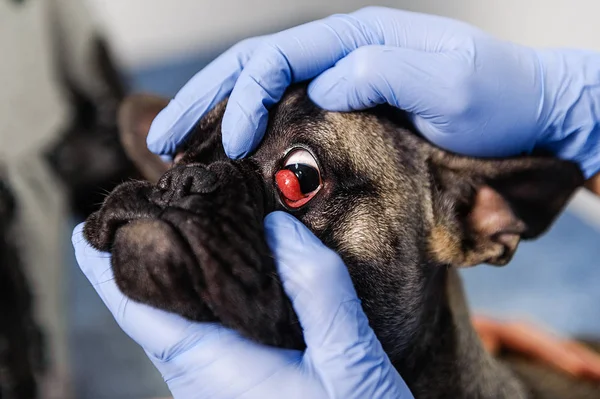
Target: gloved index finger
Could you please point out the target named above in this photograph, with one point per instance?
(206, 89)
(336, 330)
(293, 55)
(195, 359)
(305, 51)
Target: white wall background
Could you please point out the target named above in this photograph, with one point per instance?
(145, 31)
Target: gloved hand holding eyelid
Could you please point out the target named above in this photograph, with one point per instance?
(344, 359)
(466, 91)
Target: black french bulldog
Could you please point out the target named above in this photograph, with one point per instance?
(402, 214)
(89, 156)
(22, 351)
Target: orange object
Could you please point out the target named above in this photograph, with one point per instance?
(563, 354)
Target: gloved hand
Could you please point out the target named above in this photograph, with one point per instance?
(343, 359)
(467, 91)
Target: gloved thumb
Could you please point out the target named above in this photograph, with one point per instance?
(421, 83)
(336, 330)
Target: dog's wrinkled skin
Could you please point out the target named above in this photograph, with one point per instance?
(21, 341)
(399, 211)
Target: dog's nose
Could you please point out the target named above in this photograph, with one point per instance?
(185, 180)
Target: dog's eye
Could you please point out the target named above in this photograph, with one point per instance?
(299, 180)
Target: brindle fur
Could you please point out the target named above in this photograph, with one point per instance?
(400, 212)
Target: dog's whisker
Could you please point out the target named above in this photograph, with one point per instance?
(104, 281)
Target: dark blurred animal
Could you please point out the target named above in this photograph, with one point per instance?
(22, 356)
(89, 156)
(402, 214)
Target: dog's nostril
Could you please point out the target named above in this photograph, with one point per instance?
(188, 179)
(165, 181)
(188, 184)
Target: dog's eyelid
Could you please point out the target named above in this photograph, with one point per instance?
(301, 156)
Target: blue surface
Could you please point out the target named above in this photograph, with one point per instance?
(166, 79)
(106, 363)
(555, 281)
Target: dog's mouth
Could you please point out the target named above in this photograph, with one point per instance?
(194, 244)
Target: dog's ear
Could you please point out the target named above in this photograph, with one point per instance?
(483, 208)
(135, 117)
(93, 104)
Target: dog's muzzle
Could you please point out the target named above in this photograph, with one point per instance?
(194, 244)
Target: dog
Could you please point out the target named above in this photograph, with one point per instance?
(89, 155)
(22, 349)
(402, 213)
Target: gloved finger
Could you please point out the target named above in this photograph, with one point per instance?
(205, 90)
(406, 79)
(435, 88)
(185, 351)
(314, 277)
(373, 75)
(161, 334)
(286, 57)
(336, 329)
(303, 52)
(233, 364)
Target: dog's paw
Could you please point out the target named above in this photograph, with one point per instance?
(194, 244)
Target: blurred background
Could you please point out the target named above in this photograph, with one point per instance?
(157, 45)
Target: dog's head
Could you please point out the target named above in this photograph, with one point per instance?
(88, 156)
(398, 210)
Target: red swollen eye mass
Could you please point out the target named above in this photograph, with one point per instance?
(289, 185)
(299, 179)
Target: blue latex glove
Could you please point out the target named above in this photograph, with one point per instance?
(344, 359)
(467, 91)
